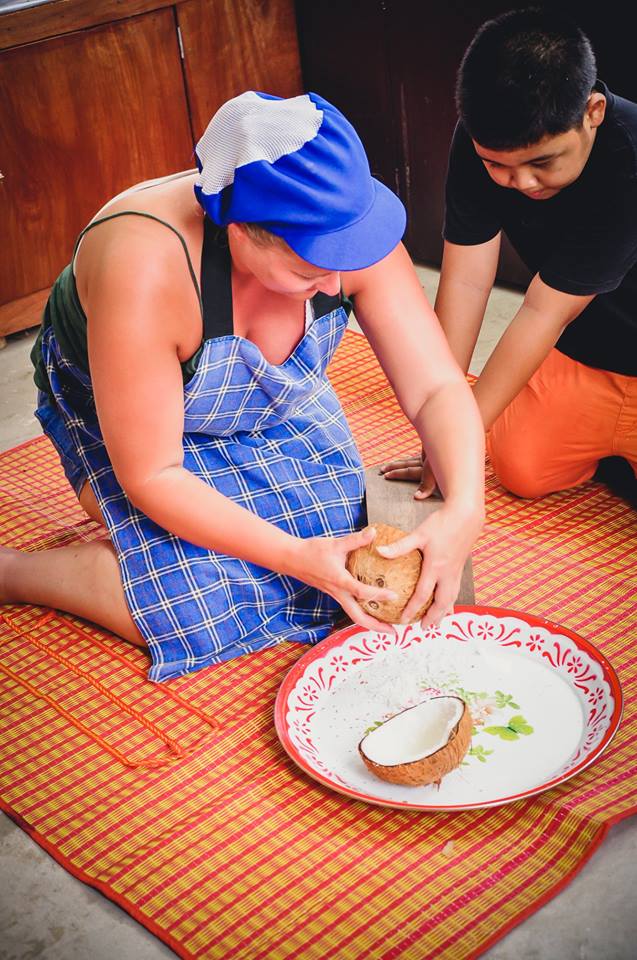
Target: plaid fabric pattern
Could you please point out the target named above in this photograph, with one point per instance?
(273, 439)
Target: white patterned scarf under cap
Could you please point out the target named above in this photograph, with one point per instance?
(251, 127)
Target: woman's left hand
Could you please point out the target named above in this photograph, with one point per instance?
(445, 539)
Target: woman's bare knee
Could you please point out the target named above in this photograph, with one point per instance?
(117, 617)
(89, 504)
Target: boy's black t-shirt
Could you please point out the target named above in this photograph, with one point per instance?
(582, 241)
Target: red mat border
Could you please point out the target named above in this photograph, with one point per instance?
(174, 945)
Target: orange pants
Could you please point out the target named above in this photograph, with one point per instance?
(554, 433)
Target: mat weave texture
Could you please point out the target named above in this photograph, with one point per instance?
(177, 801)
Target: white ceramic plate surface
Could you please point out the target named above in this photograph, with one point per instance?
(545, 704)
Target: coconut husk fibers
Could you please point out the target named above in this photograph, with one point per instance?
(429, 769)
(400, 575)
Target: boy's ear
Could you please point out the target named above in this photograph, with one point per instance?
(595, 109)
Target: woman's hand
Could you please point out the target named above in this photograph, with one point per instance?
(445, 539)
(414, 469)
(320, 562)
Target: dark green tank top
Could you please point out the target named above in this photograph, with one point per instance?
(63, 311)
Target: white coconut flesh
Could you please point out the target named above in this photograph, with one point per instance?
(414, 733)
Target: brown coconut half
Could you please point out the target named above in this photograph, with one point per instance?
(400, 575)
(419, 745)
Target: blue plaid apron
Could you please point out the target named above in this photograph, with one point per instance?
(273, 439)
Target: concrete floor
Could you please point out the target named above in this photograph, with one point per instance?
(45, 912)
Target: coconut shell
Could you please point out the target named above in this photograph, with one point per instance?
(429, 769)
(400, 575)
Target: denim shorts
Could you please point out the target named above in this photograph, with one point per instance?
(55, 429)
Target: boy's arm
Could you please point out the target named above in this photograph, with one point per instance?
(532, 333)
(466, 279)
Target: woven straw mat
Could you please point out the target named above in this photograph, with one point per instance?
(178, 803)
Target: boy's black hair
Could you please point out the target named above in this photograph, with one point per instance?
(525, 75)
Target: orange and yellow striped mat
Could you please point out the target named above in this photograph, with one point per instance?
(177, 801)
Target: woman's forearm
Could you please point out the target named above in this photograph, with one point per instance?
(450, 427)
(184, 505)
(189, 508)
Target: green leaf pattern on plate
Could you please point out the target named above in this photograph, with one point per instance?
(482, 705)
(479, 753)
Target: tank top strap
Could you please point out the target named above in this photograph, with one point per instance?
(149, 216)
(216, 285)
(216, 282)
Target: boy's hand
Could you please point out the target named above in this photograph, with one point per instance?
(415, 469)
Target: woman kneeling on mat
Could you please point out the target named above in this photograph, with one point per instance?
(181, 368)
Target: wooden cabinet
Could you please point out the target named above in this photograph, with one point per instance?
(98, 96)
(390, 65)
(81, 124)
(236, 45)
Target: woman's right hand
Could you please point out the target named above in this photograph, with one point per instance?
(320, 562)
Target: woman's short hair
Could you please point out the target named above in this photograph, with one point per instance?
(261, 236)
(525, 75)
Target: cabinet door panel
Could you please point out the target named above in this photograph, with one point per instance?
(235, 45)
(83, 116)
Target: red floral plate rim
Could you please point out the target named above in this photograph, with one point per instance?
(337, 638)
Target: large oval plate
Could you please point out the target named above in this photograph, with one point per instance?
(545, 704)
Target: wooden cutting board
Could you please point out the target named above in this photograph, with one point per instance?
(392, 502)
